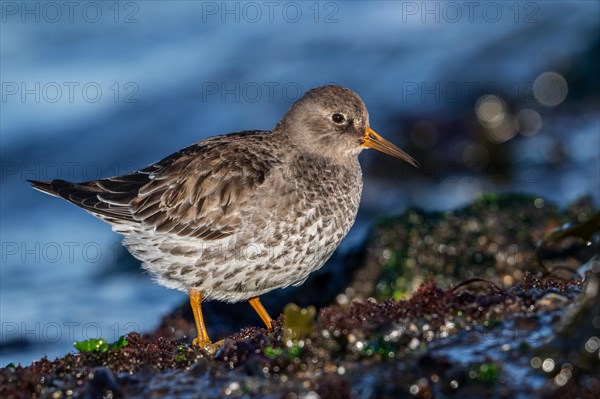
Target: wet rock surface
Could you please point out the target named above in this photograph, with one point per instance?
(478, 302)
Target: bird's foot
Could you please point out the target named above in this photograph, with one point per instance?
(206, 346)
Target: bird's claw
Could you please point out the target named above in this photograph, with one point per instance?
(207, 346)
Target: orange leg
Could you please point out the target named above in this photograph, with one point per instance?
(196, 302)
(258, 307)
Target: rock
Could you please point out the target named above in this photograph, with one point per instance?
(101, 385)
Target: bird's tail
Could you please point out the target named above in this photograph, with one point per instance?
(84, 194)
(73, 192)
(45, 186)
(93, 196)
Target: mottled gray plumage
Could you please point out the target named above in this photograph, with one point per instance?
(238, 215)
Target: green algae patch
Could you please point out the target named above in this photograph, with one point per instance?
(487, 373)
(99, 345)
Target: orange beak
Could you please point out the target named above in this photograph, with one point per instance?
(372, 140)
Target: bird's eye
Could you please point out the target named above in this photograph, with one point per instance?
(338, 118)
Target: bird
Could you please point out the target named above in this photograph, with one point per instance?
(234, 216)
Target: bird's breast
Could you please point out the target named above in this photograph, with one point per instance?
(305, 209)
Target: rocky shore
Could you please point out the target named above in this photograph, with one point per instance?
(497, 299)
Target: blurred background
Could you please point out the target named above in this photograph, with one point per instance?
(488, 96)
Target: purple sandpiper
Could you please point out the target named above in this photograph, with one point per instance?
(232, 217)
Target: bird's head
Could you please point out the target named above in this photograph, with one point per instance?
(334, 121)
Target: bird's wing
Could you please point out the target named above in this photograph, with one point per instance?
(196, 192)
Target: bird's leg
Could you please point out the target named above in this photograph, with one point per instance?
(196, 302)
(258, 307)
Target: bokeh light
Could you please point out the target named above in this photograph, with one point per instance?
(529, 122)
(492, 114)
(550, 89)
(490, 110)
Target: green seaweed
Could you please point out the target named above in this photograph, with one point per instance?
(99, 345)
(486, 373)
(294, 351)
(272, 353)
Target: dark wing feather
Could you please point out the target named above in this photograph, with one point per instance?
(196, 192)
(87, 196)
(200, 193)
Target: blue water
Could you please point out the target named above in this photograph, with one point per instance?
(110, 87)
